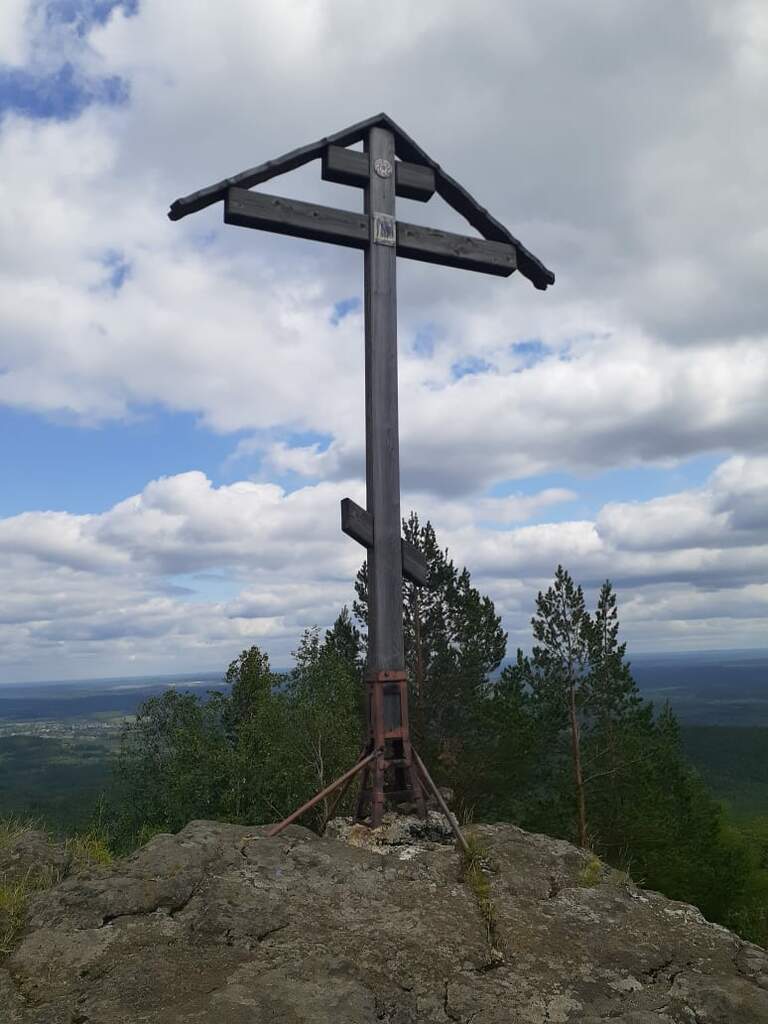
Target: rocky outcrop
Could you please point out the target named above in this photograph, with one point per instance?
(221, 924)
(33, 857)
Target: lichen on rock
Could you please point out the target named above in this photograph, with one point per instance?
(221, 923)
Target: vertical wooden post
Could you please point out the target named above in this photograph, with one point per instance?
(385, 580)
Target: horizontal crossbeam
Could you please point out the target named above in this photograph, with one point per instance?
(432, 246)
(292, 217)
(357, 523)
(341, 227)
(349, 167)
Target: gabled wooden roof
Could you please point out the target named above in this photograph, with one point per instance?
(406, 149)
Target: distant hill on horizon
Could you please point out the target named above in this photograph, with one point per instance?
(704, 687)
(719, 687)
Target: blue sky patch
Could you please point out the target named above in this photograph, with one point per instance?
(424, 340)
(118, 268)
(641, 483)
(529, 352)
(55, 464)
(344, 307)
(203, 586)
(61, 94)
(83, 14)
(306, 438)
(469, 366)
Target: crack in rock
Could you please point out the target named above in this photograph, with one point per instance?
(260, 936)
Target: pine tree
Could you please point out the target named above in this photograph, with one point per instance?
(558, 671)
(453, 640)
(324, 714)
(619, 731)
(345, 640)
(612, 690)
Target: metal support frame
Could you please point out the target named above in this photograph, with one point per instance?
(389, 732)
(346, 777)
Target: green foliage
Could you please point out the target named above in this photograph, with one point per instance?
(15, 892)
(54, 780)
(270, 742)
(173, 765)
(453, 641)
(88, 849)
(251, 754)
(84, 849)
(647, 811)
(733, 761)
(749, 915)
(13, 827)
(14, 897)
(345, 640)
(592, 872)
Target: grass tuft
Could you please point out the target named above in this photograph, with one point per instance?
(476, 868)
(13, 828)
(14, 897)
(85, 850)
(88, 849)
(592, 872)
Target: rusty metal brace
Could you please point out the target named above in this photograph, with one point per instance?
(323, 793)
(443, 805)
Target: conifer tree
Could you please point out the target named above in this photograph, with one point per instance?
(453, 640)
(345, 640)
(558, 671)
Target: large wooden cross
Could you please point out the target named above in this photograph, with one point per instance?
(391, 165)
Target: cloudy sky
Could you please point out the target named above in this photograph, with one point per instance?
(181, 404)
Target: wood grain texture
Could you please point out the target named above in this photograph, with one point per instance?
(414, 181)
(414, 564)
(382, 451)
(433, 246)
(344, 166)
(356, 522)
(291, 217)
(348, 167)
(341, 227)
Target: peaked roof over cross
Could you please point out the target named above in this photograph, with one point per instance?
(406, 149)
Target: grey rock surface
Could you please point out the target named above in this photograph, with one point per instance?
(33, 856)
(221, 924)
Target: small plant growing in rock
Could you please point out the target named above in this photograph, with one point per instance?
(14, 896)
(17, 885)
(477, 865)
(591, 872)
(15, 890)
(87, 849)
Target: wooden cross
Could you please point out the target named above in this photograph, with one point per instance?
(391, 165)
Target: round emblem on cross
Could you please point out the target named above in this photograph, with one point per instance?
(382, 167)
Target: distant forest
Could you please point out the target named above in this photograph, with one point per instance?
(559, 740)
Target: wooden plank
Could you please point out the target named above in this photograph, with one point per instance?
(344, 166)
(356, 522)
(414, 181)
(382, 455)
(291, 217)
(408, 151)
(414, 563)
(271, 168)
(433, 246)
(342, 227)
(348, 167)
